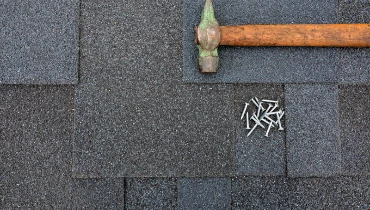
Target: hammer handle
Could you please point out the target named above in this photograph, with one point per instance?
(305, 35)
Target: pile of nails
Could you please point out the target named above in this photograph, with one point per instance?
(268, 115)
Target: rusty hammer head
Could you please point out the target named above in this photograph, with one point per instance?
(207, 38)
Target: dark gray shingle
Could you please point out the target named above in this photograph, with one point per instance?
(313, 144)
(36, 129)
(151, 193)
(204, 193)
(105, 193)
(134, 117)
(39, 42)
(354, 112)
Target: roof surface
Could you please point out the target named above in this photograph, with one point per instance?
(127, 122)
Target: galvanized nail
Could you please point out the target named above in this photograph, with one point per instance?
(245, 109)
(255, 103)
(273, 113)
(270, 101)
(255, 119)
(250, 132)
(267, 117)
(276, 106)
(268, 108)
(248, 122)
(279, 121)
(259, 108)
(265, 121)
(268, 129)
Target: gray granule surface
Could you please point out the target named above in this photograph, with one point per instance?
(204, 193)
(259, 192)
(257, 154)
(151, 193)
(39, 42)
(354, 110)
(134, 117)
(315, 193)
(312, 130)
(106, 193)
(300, 193)
(354, 62)
(36, 129)
(263, 64)
(355, 192)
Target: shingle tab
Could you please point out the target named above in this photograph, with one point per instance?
(355, 192)
(313, 145)
(106, 193)
(260, 192)
(354, 110)
(315, 193)
(151, 193)
(39, 42)
(263, 64)
(257, 154)
(36, 128)
(354, 63)
(204, 193)
(249, 192)
(134, 117)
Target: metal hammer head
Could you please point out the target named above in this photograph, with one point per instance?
(207, 38)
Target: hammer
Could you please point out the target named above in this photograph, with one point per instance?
(209, 35)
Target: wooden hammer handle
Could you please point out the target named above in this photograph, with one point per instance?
(306, 35)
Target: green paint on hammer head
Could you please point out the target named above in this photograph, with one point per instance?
(208, 38)
(208, 13)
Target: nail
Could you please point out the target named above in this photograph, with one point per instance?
(270, 101)
(279, 121)
(281, 113)
(259, 108)
(276, 106)
(270, 120)
(245, 109)
(262, 116)
(248, 122)
(253, 101)
(254, 118)
(268, 129)
(273, 113)
(259, 104)
(268, 108)
(265, 121)
(267, 117)
(250, 132)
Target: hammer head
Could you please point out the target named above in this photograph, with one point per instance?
(207, 38)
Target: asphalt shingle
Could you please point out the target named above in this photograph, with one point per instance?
(134, 117)
(300, 193)
(259, 192)
(106, 193)
(355, 192)
(354, 112)
(354, 63)
(151, 193)
(263, 64)
(313, 144)
(257, 154)
(36, 129)
(315, 193)
(39, 42)
(204, 193)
